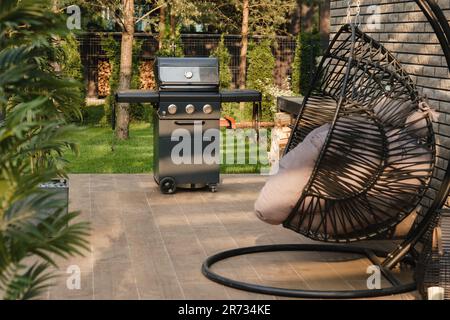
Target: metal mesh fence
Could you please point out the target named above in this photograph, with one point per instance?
(200, 45)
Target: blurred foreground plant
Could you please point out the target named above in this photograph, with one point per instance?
(36, 100)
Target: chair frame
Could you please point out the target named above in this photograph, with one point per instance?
(405, 252)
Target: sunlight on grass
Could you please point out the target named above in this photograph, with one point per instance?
(97, 156)
(99, 152)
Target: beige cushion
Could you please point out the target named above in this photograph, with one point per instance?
(417, 124)
(282, 190)
(392, 112)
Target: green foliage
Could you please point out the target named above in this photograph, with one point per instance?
(135, 81)
(34, 225)
(93, 114)
(226, 77)
(141, 112)
(69, 60)
(112, 49)
(224, 57)
(138, 111)
(172, 46)
(296, 65)
(261, 64)
(306, 52)
(134, 155)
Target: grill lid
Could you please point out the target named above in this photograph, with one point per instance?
(187, 73)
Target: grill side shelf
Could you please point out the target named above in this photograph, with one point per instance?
(137, 96)
(238, 95)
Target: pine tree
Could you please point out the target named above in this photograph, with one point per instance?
(224, 57)
(260, 74)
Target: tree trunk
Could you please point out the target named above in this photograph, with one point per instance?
(244, 47)
(90, 74)
(307, 17)
(55, 6)
(325, 23)
(90, 70)
(126, 62)
(294, 26)
(162, 25)
(173, 24)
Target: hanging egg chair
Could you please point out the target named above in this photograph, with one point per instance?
(376, 166)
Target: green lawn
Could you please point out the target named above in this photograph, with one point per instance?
(96, 154)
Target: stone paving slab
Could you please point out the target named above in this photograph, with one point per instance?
(145, 245)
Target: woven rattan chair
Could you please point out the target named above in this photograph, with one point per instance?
(375, 167)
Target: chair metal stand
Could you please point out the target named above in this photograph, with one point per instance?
(406, 252)
(371, 254)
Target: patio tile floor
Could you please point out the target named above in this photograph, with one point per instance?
(145, 245)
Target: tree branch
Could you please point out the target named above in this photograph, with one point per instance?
(149, 13)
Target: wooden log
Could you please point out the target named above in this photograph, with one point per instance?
(280, 139)
(249, 124)
(282, 119)
(104, 74)
(146, 76)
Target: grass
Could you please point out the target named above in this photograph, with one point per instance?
(96, 154)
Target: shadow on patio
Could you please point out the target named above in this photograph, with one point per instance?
(145, 245)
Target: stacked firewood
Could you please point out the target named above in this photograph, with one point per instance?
(280, 137)
(146, 77)
(282, 119)
(104, 73)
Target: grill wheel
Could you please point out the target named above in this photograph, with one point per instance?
(167, 185)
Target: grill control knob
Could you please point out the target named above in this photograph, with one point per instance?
(207, 108)
(190, 109)
(172, 109)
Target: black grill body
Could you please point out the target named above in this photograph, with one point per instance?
(188, 104)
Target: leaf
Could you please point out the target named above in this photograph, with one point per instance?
(34, 223)
(30, 284)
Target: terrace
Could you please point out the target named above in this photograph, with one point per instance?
(155, 95)
(146, 245)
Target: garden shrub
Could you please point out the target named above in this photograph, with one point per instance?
(306, 52)
(260, 75)
(37, 232)
(224, 57)
(112, 50)
(226, 77)
(93, 114)
(138, 112)
(69, 60)
(172, 46)
(141, 112)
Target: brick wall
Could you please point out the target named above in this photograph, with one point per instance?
(405, 31)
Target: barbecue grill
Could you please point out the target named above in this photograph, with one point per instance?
(187, 121)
